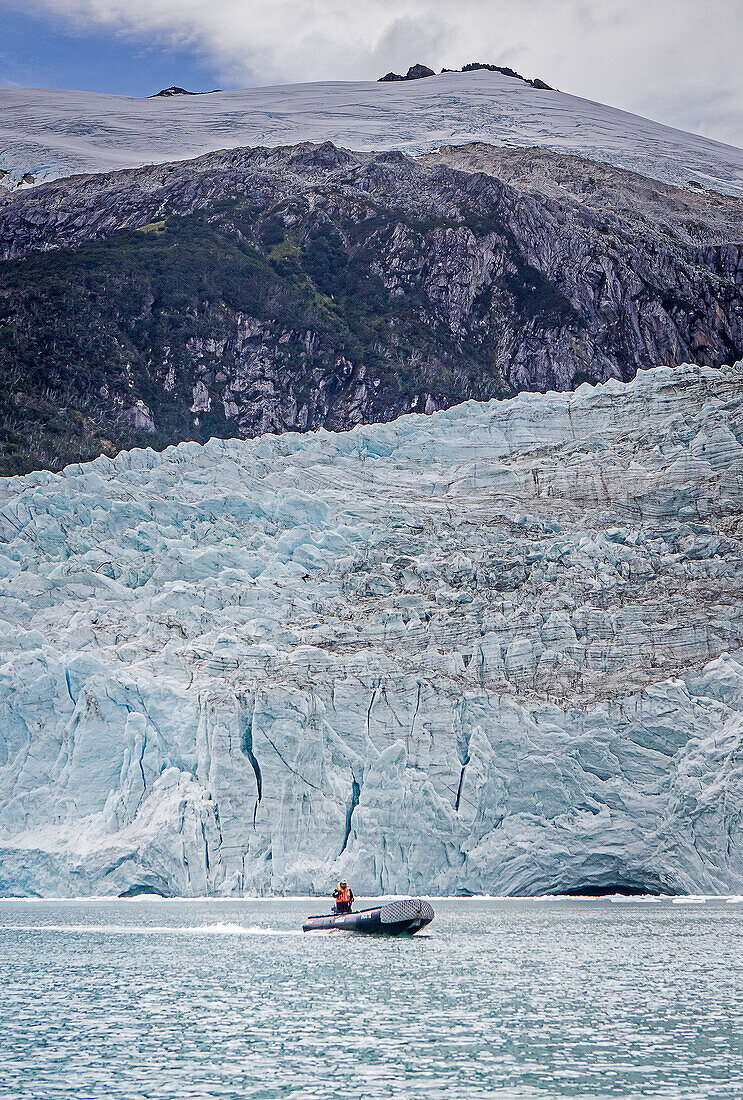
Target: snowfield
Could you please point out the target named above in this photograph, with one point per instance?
(47, 134)
(497, 649)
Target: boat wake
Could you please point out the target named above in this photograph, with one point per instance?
(219, 929)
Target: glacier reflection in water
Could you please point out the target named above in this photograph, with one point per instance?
(514, 998)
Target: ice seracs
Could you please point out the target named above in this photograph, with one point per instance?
(497, 649)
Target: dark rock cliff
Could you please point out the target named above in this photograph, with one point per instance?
(289, 289)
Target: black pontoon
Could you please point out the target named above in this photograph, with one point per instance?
(396, 918)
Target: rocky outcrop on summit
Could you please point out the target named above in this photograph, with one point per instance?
(271, 290)
(167, 93)
(505, 70)
(415, 72)
(173, 90)
(498, 649)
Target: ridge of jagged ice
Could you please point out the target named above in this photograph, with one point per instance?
(48, 133)
(494, 650)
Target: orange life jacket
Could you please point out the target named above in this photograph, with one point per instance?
(343, 895)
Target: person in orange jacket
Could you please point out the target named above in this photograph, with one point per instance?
(343, 897)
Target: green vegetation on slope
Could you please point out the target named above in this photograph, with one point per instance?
(101, 347)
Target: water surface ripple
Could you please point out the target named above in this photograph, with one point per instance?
(201, 999)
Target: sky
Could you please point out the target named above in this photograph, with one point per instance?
(677, 61)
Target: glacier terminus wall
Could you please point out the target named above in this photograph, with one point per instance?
(494, 650)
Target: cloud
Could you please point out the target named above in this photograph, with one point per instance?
(673, 60)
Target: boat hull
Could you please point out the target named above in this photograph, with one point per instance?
(396, 918)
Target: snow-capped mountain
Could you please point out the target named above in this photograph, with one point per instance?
(47, 134)
(494, 649)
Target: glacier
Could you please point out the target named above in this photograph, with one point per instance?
(47, 134)
(498, 649)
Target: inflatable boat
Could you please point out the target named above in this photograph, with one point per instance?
(396, 918)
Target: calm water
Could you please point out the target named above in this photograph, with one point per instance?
(151, 998)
